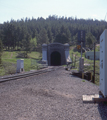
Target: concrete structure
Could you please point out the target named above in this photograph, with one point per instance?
(103, 63)
(90, 55)
(44, 53)
(56, 54)
(81, 64)
(20, 66)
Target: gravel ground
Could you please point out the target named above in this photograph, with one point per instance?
(51, 96)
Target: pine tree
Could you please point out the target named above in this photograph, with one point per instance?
(50, 36)
(26, 45)
(90, 39)
(43, 38)
(64, 35)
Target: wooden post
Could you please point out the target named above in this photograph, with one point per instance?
(75, 60)
(72, 59)
(91, 75)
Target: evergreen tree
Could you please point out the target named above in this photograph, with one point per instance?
(61, 38)
(33, 44)
(50, 35)
(58, 29)
(90, 39)
(43, 38)
(26, 45)
(64, 35)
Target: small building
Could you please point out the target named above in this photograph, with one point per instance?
(90, 55)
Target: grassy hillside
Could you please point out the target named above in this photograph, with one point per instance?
(9, 60)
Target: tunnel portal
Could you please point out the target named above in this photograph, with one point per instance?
(55, 58)
(56, 54)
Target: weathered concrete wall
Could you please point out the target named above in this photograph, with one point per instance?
(44, 53)
(61, 51)
(59, 48)
(67, 55)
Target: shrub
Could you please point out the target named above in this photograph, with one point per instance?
(10, 68)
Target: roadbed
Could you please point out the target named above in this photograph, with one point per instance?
(56, 95)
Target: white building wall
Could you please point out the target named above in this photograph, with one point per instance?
(103, 63)
(90, 55)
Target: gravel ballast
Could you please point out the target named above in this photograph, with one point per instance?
(55, 95)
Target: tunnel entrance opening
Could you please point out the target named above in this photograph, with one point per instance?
(55, 59)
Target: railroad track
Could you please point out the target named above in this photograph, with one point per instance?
(27, 74)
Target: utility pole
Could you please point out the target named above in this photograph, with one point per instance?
(81, 50)
(81, 58)
(94, 64)
(75, 60)
(81, 40)
(72, 59)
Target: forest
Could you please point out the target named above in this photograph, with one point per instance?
(29, 34)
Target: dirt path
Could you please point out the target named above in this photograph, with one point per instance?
(11, 55)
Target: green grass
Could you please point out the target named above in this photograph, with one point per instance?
(89, 68)
(34, 55)
(9, 61)
(83, 80)
(2, 71)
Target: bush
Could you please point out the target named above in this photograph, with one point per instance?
(10, 68)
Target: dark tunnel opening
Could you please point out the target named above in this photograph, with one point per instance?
(55, 59)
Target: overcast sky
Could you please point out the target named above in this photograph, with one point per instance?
(86, 9)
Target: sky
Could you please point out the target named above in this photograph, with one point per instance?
(81, 9)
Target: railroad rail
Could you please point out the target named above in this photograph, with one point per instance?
(27, 74)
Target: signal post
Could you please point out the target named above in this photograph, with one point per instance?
(81, 42)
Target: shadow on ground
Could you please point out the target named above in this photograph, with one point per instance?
(102, 107)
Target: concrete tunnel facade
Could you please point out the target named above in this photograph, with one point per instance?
(56, 54)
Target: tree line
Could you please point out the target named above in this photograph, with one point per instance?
(29, 34)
